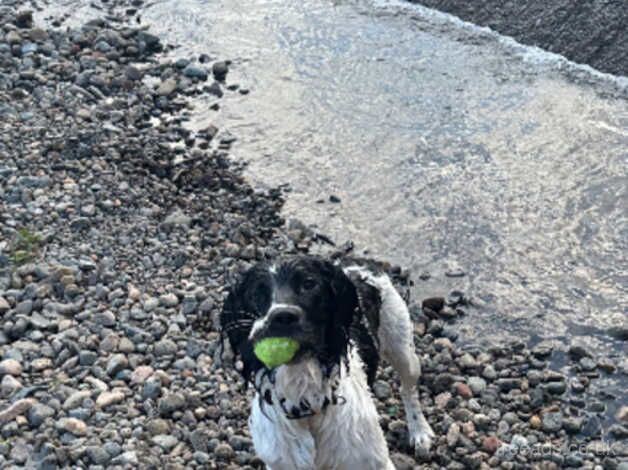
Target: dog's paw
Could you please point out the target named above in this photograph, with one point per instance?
(421, 440)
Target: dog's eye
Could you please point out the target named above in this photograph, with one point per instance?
(308, 284)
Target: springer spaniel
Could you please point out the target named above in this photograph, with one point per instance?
(316, 412)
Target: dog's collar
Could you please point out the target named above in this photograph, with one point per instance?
(304, 409)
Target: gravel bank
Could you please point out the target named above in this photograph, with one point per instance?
(592, 33)
(119, 229)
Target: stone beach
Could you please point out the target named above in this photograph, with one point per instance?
(120, 229)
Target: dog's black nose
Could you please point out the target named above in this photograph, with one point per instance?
(284, 318)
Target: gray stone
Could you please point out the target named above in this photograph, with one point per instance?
(193, 71)
(10, 367)
(382, 390)
(476, 384)
(552, 422)
(38, 414)
(97, 455)
(165, 347)
(169, 300)
(166, 441)
(116, 363)
(170, 403)
(24, 308)
(151, 388)
(4, 305)
(106, 318)
(167, 87)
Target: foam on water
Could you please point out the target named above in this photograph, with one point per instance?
(533, 55)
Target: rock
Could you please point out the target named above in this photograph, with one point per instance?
(134, 293)
(106, 399)
(128, 458)
(106, 318)
(552, 422)
(116, 363)
(9, 385)
(489, 372)
(467, 361)
(442, 400)
(622, 414)
(587, 364)
(453, 434)
(10, 367)
(141, 373)
(73, 426)
(169, 300)
(382, 390)
(4, 305)
(167, 87)
(220, 70)
(193, 71)
(97, 455)
(477, 385)
(165, 347)
(490, 444)
(170, 403)
(577, 352)
(618, 431)
(572, 425)
(16, 409)
(223, 451)
(76, 399)
(556, 388)
(38, 414)
(133, 73)
(165, 441)
(152, 388)
(505, 385)
(464, 390)
(24, 308)
(24, 19)
(434, 304)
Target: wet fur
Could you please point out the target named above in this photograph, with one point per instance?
(317, 411)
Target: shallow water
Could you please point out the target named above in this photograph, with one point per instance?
(448, 145)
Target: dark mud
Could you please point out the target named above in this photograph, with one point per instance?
(592, 33)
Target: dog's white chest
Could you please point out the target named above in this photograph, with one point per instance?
(340, 436)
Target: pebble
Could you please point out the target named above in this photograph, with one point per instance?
(382, 390)
(552, 422)
(167, 87)
(194, 71)
(141, 373)
(220, 70)
(106, 398)
(4, 305)
(10, 367)
(169, 300)
(38, 414)
(73, 426)
(490, 444)
(165, 441)
(477, 385)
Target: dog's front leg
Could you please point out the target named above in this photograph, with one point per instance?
(282, 443)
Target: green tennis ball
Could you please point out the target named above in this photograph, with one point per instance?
(276, 351)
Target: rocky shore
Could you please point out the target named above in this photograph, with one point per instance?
(119, 229)
(592, 33)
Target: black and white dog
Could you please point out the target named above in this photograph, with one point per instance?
(316, 412)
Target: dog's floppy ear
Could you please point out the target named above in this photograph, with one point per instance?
(235, 326)
(345, 310)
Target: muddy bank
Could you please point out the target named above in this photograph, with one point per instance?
(592, 33)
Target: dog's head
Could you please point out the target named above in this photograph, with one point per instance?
(303, 297)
